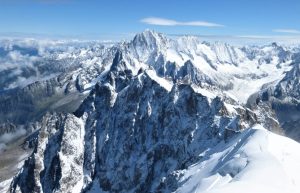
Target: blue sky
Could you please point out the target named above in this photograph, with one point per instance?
(121, 18)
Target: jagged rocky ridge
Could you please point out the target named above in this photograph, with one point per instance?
(283, 99)
(128, 138)
(150, 116)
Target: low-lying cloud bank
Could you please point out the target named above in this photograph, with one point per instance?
(23, 61)
(7, 138)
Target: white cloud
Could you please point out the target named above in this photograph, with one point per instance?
(169, 22)
(291, 31)
(256, 36)
(8, 137)
(2, 147)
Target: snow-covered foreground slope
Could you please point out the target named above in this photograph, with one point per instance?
(255, 161)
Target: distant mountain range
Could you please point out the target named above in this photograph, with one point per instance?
(154, 114)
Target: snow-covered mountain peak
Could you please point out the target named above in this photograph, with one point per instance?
(149, 39)
(158, 114)
(188, 42)
(221, 64)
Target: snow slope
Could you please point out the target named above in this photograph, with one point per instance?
(255, 161)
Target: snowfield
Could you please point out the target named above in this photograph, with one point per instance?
(256, 161)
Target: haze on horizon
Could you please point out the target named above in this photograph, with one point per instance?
(233, 20)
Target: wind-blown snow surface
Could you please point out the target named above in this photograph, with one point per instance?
(255, 161)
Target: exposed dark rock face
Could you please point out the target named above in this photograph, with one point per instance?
(56, 158)
(128, 139)
(281, 102)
